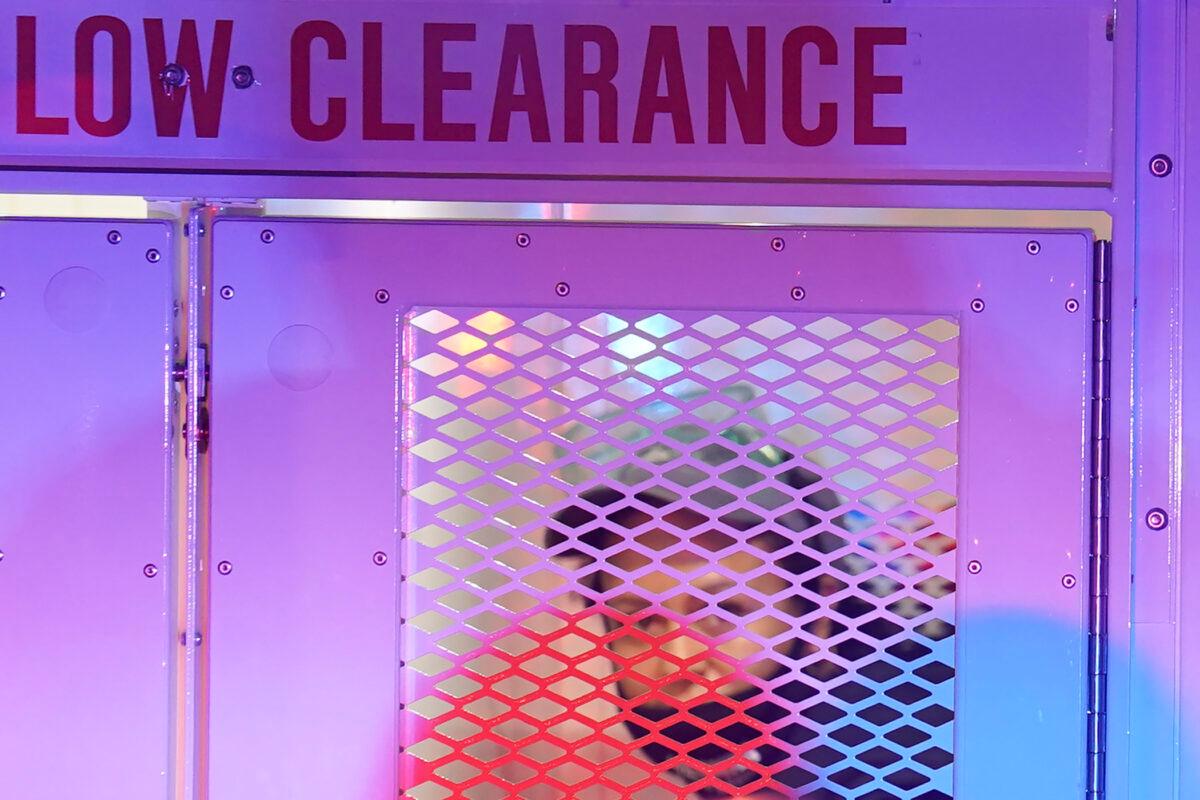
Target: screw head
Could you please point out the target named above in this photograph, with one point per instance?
(1033, 247)
(242, 76)
(267, 236)
(379, 558)
(777, 244)
(224, 567)
(523, 240)
(562, 288)
(798, 293)
(1069, 581)
(226, 292)
(1072, 305)
(153, 256)
(114, 237)
(173, 75)
(974, 567)
(149, 570)
(1161, 166)
(382, 296)
(977, 305)
(1156, 519)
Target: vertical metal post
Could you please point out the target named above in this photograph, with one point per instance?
(1097, 701)
(196, 622)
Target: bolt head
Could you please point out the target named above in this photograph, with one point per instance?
(226, 292)
(1033, 247)
(1156, 519)
(562, 288)
(798, 293)
(1161, 166)
(977, 305)
(173, 75)
(150, 570)
(242, 76)
(382, 296)
(224, 567)
(114, 237)
(1069, 581)
(523, 240)
(379, 558)
(153, 256)
(267, 236)
(1072, 305)
(974, 567)
(777, 244)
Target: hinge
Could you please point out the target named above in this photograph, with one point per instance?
(180, 372)
(1101, 393)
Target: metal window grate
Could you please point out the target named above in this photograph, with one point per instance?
(682, 554)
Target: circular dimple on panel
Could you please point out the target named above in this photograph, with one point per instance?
(76, 299)
(300, 357)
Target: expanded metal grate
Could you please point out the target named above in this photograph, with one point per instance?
(678, 555)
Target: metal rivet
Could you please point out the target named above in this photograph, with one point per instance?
(974, 567)
(224, 567)
(3, 293)
(1161, 166)
(1156, 519)
(1033, 247)
(267, 236)
(523, 240)
(226, 292)
(1069, 581)
(382, 296)
(243, 76)
(1072, 305)
(380, 558)
(562, 288)
(114, 237)
(153, 256)
(149, 570)
(797, 292)
(977, 305)
(1, 555)
(777, 244)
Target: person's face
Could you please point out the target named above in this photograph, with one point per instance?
(673, 643)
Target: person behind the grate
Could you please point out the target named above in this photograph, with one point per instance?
(721, 712)
(721, 726)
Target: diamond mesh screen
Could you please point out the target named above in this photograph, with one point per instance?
(679, 555)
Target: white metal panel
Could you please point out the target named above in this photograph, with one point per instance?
(306, 380)
(85, 501)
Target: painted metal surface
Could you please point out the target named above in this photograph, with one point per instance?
(86, 639)
(307, 368)
(769, 92)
